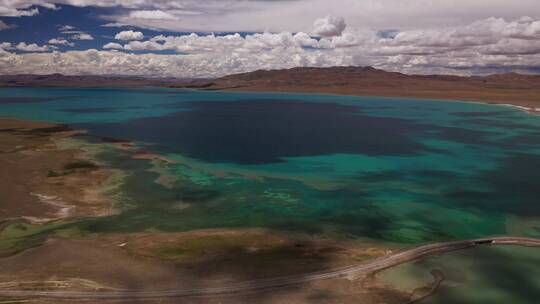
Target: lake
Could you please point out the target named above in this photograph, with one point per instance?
(392, 170)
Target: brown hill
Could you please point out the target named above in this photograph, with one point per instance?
(59, 80)
(509, 88)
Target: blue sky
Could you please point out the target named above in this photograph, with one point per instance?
(196, 38)
(46, 25)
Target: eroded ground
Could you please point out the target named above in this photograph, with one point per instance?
(41, 181)
(193, 260)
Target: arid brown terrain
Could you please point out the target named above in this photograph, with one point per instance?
(41, 181)
(511, 88)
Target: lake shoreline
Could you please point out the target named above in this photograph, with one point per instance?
(44, 167)
(523, 106)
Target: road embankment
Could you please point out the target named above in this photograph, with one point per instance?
(366, 268)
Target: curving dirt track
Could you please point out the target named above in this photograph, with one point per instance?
(386, 261)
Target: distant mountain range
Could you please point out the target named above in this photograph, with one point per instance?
(517, 89)
(59, 80)
(509, 88)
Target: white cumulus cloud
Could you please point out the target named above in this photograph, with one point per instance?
(113, 45)
(60, 41)
(5, 45)
(82, 36)
(329, 26)
(7, 11)
(129, 35)
(32, 47)
(64, 28)
(152, 15)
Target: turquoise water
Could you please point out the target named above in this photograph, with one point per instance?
(496, 275)
(394, 170)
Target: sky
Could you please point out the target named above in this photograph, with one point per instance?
(211, 38)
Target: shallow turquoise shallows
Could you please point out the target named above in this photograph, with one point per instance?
(388, 169)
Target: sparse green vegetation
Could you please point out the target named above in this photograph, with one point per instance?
(200, 246)
(53, 173)
(251, 249)
(19, 236)
(82, 164)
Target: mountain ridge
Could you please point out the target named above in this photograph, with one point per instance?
(511, 88)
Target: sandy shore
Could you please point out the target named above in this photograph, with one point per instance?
(530, 110)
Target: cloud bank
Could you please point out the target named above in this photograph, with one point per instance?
(285, 15)
(489, 45)
(415, 36)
